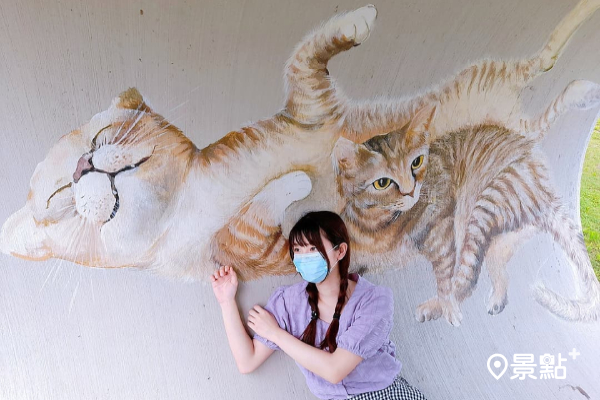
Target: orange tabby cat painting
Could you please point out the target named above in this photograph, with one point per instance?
(452, 173)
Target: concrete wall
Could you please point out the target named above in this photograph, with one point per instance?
(70, 332)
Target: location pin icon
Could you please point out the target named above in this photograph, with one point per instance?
(497, 365)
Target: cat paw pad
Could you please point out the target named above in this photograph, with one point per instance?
(357, 24)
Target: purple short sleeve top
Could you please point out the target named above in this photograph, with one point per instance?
(365, 325)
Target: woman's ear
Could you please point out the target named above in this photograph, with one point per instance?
(343, 250)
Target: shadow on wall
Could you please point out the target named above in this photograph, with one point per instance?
(453, 173)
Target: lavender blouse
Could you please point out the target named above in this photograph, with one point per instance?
(365, 325)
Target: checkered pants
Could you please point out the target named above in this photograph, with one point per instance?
(400, 389)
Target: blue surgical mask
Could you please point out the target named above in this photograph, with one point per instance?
(312, 266)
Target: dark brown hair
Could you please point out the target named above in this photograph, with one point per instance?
(309, 228)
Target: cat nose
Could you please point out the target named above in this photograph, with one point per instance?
(411, 193)
(406, 186)
(83, 166)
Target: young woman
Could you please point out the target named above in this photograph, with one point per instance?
(335, 325)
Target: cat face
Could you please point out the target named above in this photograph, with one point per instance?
(102, 188)
(382, 178)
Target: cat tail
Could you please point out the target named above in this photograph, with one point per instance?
(310, 94)
(523, 72)
(586, 306)
(578, 94)
(547, 56)
(559, 38)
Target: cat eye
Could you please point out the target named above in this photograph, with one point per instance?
(382, 183)
(55, 192)
(417, 162)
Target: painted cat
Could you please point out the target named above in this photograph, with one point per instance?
(470, 196)
(128, 189)
(426, 184)
(485, 94)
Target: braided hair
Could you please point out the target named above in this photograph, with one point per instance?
(309, 228)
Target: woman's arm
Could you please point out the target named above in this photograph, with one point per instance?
(249, 354)
(333, 367)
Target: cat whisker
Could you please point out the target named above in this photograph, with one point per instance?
(106, 252)
(87, 226)
(52, 266)
(137, 120)
(178, 106)
(142, 136)
(168, 147)
(86, 235)
(92, 289)
(94, 236)
(96, 233)
(74, 294)
(165, 118)
(77, 250)
(162, 131)
(68, 249)
(138, 113)
(137, 110)
(72, 236)
(184, 102)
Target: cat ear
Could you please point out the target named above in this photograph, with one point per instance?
(344, 154)
(21, 237)
(422, 120)
(130, 99)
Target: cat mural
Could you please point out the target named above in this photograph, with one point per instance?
(455, 174)
(469, 196)
(128, 189)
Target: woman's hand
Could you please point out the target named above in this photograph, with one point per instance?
(224, 284)
(263, 322)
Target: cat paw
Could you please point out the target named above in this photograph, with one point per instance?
(356, 25)
(436, 307)
(283, 191)
(582, 94)
(297, 185)
(451, 311)
(496, 302)
(430, 309)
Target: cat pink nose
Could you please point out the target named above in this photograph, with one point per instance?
(83, 165)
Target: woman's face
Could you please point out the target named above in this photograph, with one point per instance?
(333, 254)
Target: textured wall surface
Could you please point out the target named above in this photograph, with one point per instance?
(69, 332)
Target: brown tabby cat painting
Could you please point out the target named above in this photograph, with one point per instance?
(453, 173)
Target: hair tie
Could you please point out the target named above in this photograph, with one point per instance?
(336, 316)
(314, 316)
